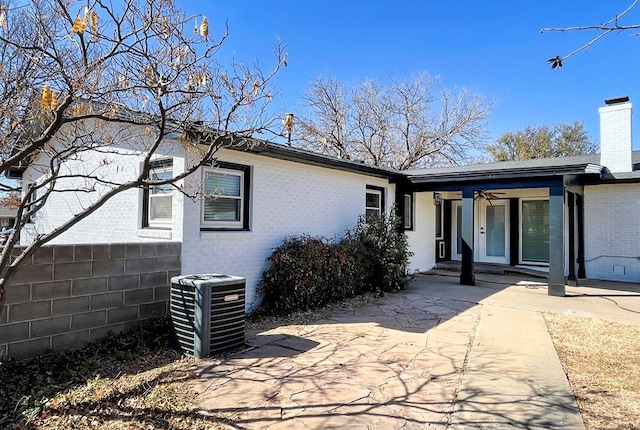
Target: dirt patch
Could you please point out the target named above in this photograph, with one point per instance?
(131, 381)
(602, 361)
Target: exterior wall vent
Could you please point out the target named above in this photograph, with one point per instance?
(207, 313)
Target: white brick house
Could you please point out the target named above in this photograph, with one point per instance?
(575, 216)
(281, 192)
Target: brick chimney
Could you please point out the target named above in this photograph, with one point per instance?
(615, 135)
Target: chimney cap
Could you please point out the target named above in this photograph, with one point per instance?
(616, 100)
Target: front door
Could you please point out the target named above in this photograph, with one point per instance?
(491, 231)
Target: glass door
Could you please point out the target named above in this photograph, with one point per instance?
(493, 231)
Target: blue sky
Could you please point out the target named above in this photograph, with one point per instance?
(494, 48)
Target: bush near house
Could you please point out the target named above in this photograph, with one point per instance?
(309, 272)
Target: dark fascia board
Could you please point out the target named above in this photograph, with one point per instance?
(623, 180)
(298, 155)
(506, 174)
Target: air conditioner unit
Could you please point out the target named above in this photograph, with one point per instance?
(207, 313)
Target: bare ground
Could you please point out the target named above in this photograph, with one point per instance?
(602, 361)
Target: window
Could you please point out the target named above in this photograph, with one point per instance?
(157, 199)
(30, 206)
(374, 201)
(535, 231)
(226, 197)
(438, 208)
(408, 211)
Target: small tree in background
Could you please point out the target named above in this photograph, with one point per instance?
(79, 79)
(560, 140)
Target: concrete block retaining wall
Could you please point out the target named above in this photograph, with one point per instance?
(70, 295)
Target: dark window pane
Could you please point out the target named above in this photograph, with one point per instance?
(222, 209)
(535, 230)
(408, 211)
(373, 200)
(221, 184)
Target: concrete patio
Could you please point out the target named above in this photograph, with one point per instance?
(436, 355)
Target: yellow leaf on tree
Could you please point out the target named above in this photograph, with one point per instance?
(79, 26)
(204, 29)
(94, 22)
(3, 18)
(46, 97)
(54, 100)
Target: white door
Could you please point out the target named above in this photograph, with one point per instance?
(493, 231)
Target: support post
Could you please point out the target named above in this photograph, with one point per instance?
(582, 272)
(571, 204)
(467, 277)
(556, 241)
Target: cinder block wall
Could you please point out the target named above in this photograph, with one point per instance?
(70, 295)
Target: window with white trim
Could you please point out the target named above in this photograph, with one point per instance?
(439, 218)
(408, 211)
(158, 199)
(226, 197)
(374, 202)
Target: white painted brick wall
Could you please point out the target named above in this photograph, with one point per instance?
(421, 239)
(612, 231)
(615, 137)
(287, 199)
(119, 220)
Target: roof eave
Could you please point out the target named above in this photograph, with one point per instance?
(501, 175)
(302, 156)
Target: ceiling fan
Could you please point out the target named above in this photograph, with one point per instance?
(486, 195)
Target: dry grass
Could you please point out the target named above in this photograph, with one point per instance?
(602, 361)
(150, 393)
(133, 381)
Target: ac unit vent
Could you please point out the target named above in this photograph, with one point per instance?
(207, 313)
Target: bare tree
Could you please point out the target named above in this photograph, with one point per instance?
(613, 25)
(560, 140)
(408, 124)
(89, 79)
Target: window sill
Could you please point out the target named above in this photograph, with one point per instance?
(218, 234)
(155, 233)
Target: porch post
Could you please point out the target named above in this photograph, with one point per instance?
(582, 272)
(556, 241)
(467, 277)
(571, 204)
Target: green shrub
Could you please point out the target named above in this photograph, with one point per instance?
(386, 252)
(309, 272)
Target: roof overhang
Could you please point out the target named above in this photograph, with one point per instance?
(583, 173)
(288, 153)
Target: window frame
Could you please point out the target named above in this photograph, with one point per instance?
(521, 260)
(165, 165)
(33, 200)
(373, 190)
(408, 209)
(244, 172)
(439, 221)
